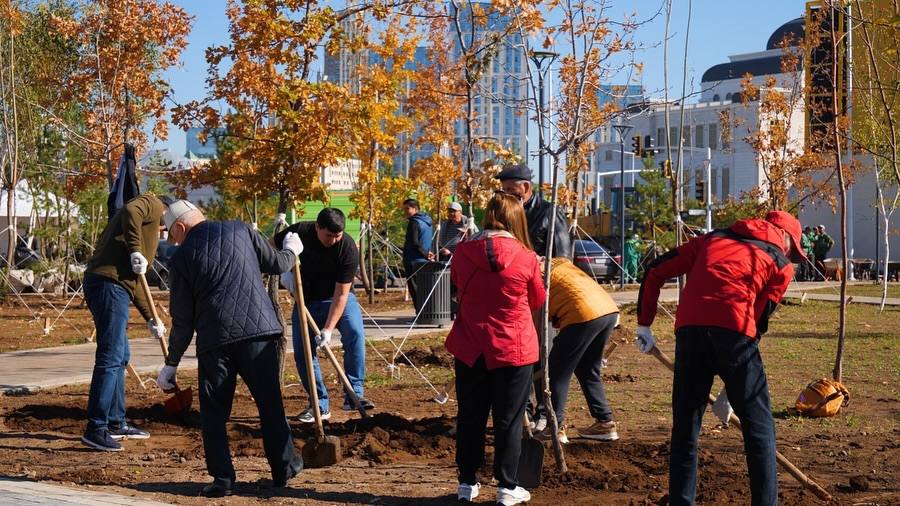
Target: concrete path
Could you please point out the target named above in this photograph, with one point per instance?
(39, 493)
(29, 370)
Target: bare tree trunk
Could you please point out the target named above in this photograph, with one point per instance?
(272, 288)
(838, 371)
(11, 137)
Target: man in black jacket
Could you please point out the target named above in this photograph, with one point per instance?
(516, 180)
(217, 291)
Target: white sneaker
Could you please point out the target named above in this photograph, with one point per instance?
(508, 497)
(466, 492)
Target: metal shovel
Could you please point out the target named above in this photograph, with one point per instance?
(321, 450)
(531, 460)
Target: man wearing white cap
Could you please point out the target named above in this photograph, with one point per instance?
(453, 230)
(217, 292)
(127, 246)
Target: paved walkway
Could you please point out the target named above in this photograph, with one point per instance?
(29, 370)
(39, 493)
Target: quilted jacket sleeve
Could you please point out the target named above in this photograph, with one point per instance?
(181, 305)
(271, 261)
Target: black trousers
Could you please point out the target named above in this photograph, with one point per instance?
(578, 350)
(480, 391)
(257, 363)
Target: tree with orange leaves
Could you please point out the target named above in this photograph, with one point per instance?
(124, 46)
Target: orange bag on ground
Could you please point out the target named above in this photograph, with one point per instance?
(822, 398)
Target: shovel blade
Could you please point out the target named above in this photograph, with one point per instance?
(180, 402)
(321, 453)
(531, 463)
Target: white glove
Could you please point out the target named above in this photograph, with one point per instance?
(287, 281)
(293, 243)
(166, 378)
(157, 330)
(138, 263)
(645, 340)
(323, 339)
(722, 408)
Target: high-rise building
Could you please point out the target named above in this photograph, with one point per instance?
(343, 66)
(502, 91)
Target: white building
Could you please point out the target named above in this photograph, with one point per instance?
(734, 165)
(342, 176)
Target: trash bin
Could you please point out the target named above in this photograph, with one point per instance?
(435, 310)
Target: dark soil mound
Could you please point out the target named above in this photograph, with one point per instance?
(437, 355)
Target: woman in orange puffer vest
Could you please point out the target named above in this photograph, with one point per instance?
(585, 316)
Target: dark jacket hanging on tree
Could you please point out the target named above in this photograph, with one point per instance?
(125, 186)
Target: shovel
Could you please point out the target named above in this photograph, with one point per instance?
(531, 460)
(322, 450)
(181, 401)
(337, 367)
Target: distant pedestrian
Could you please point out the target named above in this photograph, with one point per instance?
(417, 245)
(495, 345)
(217, 292)
(453, 230)
(807, 242)
(822, 247)
(631, 257)
(585, 316)
(127, 247)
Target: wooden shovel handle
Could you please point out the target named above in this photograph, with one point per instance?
(337, 366)
(307, 352)
(145, 287)
(804, 480)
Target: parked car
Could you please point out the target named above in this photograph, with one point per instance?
(596, 261)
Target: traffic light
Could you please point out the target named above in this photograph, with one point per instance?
(700, 191)
(649, 146)
(636, 145)
(665, 167)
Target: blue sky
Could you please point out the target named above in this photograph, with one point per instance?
(718, 28)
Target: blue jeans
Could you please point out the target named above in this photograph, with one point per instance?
(353, 339)
(108, 302)
(700, 354)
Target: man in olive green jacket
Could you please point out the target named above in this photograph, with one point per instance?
(127, 247)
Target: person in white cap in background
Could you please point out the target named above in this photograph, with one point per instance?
(453, 230)
(126, 248)
(217, 292)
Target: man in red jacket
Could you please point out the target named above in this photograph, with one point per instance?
(736, 278)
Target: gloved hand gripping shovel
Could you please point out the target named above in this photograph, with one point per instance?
(181, 401)
(804, 480)
(322, 450)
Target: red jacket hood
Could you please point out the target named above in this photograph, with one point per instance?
(760, 230)
(492, 256)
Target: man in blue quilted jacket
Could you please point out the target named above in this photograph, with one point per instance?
(217, 292)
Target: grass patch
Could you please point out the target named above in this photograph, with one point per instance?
(863, 290)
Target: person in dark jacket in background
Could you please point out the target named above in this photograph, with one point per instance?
(217, 292)
(417, 246)
(127, 246)
(495, 345)
(736, 277)
(516, 180)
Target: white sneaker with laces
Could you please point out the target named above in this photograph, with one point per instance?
(466, 492)
(509, 497)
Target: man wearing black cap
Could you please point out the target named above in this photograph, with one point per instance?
(516, 180)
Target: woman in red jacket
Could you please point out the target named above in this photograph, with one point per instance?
(495, 344)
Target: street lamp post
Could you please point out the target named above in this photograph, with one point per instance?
(539, 57)
(622, 130)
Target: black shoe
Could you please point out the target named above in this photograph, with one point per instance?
(292, 472)
(215, 490)
(99, 439)
(127, 432)
(366, 404)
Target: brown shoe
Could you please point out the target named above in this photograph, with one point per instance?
(602, 431)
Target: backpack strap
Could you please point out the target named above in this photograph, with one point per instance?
(778, 256)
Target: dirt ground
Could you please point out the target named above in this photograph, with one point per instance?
(404, 455)
(23, 321)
